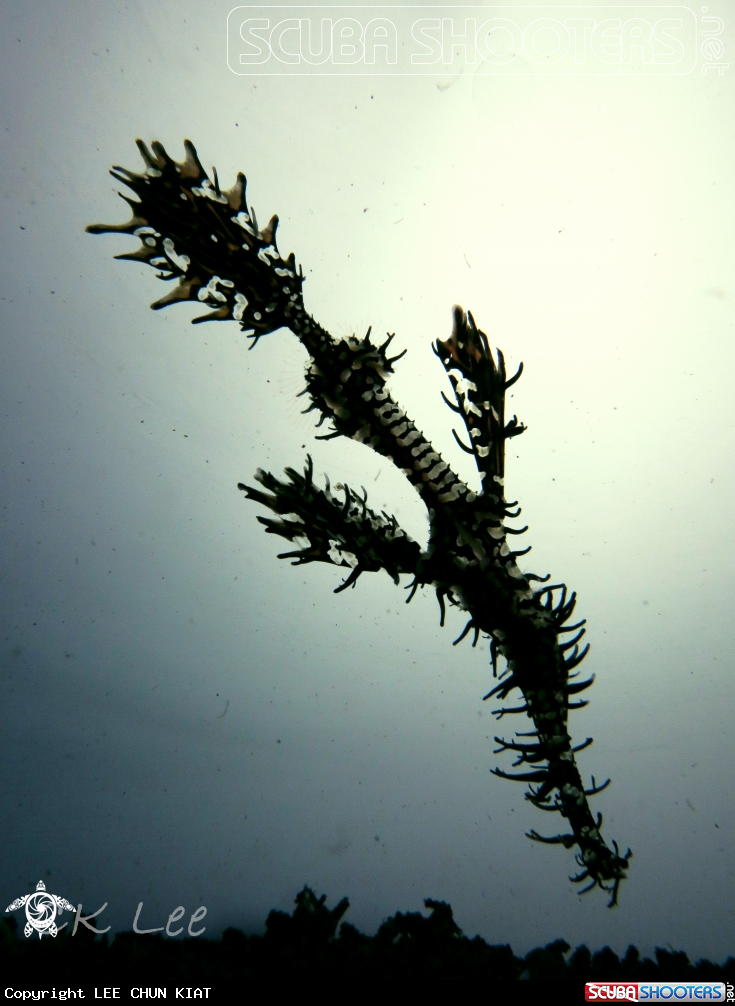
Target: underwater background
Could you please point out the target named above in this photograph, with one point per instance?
(187, 720)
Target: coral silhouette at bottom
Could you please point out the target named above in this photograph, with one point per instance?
(314, 943)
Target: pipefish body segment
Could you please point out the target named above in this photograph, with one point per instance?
(206, 242)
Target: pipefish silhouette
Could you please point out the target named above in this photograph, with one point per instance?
(208, 243)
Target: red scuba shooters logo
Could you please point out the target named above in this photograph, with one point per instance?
(654, 991)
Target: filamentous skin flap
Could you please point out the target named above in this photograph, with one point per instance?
(206, 242)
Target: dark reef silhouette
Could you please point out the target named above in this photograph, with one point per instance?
(207, 242)
(306, 944)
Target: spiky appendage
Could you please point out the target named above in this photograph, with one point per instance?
(209, 241)
(341, 534)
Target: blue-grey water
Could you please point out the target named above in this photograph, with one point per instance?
(187, 720)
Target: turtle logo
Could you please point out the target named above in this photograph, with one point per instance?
(41, 910)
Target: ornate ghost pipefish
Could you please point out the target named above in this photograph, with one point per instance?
(208, 242)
